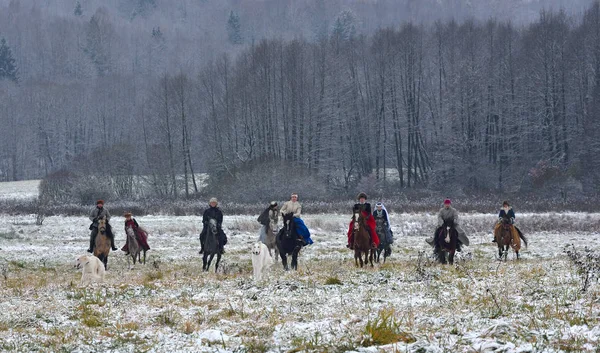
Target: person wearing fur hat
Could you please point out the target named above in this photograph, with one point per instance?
(213, 212)
(365, 208)
(448, 215)
(269, 219)
(100, 212)
(140, 233)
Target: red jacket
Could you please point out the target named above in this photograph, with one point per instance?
(370, 221)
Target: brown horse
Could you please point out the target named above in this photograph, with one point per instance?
(134, 247)
(506, 236)
(446, 242)
(102, 247)
(362, 241)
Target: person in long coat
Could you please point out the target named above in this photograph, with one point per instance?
(100, 212)
(365, 208)
(140, 233)
(213, 212)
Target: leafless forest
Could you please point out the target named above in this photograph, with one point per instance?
(326, 97)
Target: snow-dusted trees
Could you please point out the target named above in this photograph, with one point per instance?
(8, 66)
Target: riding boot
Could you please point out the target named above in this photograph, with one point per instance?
(494, 240)
(458, 246)
(112, 244)
(92, 242)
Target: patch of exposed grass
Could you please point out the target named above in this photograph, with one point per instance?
(334, 280)
(153, 276)
(168, 318)
(91, 317)
(189, 327)
(255, 346)
(385, 329)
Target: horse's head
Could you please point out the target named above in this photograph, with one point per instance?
(102, 225)
(212, 224)
(288, 224)
(130, 232)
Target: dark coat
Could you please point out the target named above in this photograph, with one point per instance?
(366, 207)
(510, 215)
(216, 214)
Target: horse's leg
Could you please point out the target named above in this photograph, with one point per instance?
(106, 262)
(451, 257)
(218, 260)
(144, 257)
(210, 258)
(204, 261)
(284, 260)
(295, 259)
(371, 256)
(442, 257)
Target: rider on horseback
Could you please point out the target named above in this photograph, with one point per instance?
(269, 219)
(381, 215)
(365, 208)
(293, 206)
(213, 212)
(100, 212)
(140, 233)
(507, 214)
(448, 217)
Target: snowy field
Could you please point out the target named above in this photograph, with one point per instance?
(26, 189)
(407, 305)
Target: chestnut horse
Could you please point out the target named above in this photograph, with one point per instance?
(446, 241)
(507, 236)
(362, 241)
(102, 245)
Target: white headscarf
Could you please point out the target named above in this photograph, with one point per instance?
(387, 216)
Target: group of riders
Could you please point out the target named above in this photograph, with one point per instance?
(376, 220)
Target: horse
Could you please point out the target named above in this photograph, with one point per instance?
(134, 247)
(505, 237)
(384, 247)
(102, 244)
(446, 242)
(269, 238)
(211, 246)
(288, 242)
(362, 241)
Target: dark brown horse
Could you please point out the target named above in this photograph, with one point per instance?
(102, 246)
(362, 241)
(507, 236)
(446, 241)
(384, 246)
(211, 246)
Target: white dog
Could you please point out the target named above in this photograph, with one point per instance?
(92, 268)
(261, 259)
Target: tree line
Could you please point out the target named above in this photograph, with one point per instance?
(469, 105)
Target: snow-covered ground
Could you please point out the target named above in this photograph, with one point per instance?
(26, 189)
(407, 305)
